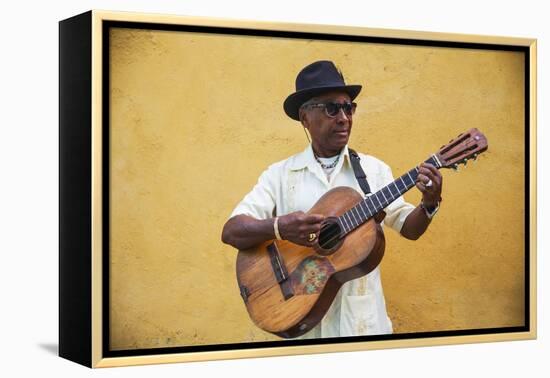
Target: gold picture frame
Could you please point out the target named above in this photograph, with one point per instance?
(89, 150)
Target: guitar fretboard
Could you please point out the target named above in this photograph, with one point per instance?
(374, 203)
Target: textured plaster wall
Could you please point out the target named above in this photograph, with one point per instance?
(195, 118)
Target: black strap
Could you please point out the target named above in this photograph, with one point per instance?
(359, 173)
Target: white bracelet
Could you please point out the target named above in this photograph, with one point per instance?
(276, 228)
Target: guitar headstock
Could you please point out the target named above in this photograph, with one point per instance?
(464, 147)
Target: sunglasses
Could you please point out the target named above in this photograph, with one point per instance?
(333, 108)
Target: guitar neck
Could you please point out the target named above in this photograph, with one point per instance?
(378, 201)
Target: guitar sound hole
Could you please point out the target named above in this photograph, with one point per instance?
(329, 235)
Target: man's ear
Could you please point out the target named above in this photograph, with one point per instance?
(305, 122)
(303, 118)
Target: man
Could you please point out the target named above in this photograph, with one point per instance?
(275, 207)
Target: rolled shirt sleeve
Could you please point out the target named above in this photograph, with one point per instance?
(259, 203)
(398, 210)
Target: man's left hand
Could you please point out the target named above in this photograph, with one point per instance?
(429, 182)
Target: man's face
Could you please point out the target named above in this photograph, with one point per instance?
(329, 134)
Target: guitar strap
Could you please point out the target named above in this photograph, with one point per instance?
(358, 170)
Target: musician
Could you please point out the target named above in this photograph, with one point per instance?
(275, 207)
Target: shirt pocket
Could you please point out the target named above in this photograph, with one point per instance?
(359, 315)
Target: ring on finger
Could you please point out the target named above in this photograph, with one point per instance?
(429, 183)
(312, 237)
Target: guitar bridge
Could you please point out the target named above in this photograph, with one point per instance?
(279, 269)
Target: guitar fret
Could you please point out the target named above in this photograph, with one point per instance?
(383, 195)
(345, 220)
(436, 161)
(364, 213)
(379, 203)
(372, 204)
(355, 223)
(358, 215)
(390, 195)
(353, 215)
(350, 221)
(404, 185)
(345, 223)
(370, 208)
(367, 210)
(342, 224)
(357, 219)
(397, 189)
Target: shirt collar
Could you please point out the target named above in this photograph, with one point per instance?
(307, 159)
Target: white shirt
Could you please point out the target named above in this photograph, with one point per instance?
(296, 184)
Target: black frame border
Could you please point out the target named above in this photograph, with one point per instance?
(75, 195)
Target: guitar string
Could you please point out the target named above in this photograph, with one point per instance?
(334, 235)
(337, 233)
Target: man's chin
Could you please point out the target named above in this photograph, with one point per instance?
(341, 143)
(336, 149)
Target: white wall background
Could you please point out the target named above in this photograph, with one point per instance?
(29, 185)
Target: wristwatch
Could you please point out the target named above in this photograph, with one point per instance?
(429, 211)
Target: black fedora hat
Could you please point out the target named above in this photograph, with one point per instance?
(313, 80)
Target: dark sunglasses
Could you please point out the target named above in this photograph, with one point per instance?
(333, 108)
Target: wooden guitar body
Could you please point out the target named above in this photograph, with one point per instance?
(288, 288)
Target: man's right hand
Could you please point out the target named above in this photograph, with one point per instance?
(298, 226)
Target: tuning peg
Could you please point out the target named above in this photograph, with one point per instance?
(464, 161)
(475, 157)
(455, 167)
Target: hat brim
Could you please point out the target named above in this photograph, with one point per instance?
(294, 101)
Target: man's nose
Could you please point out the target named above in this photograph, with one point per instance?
(341, 116)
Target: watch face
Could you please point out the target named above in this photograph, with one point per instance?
(430, 211)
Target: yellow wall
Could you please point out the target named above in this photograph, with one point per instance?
(196, 118)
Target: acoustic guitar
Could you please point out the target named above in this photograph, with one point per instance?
(288, 288)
